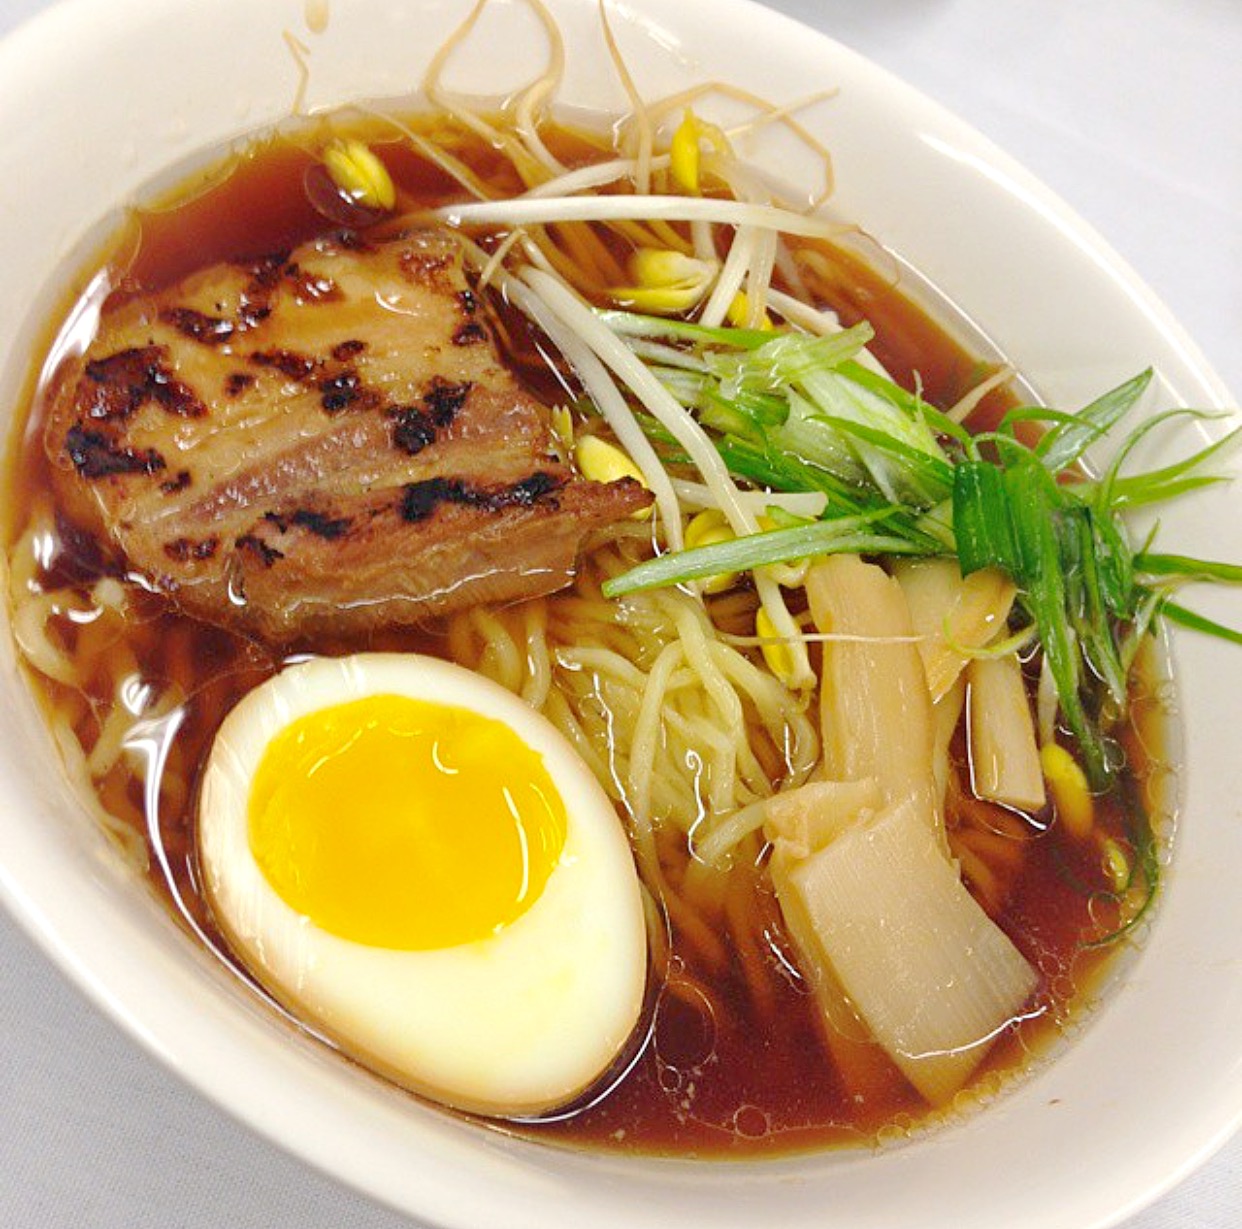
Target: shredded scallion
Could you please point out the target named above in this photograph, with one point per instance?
(799, 412)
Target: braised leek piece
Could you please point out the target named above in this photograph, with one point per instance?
(1004, 757)
(953, 614)
(875, 711)
(884, 920)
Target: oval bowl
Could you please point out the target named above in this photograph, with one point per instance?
(1152, 1081)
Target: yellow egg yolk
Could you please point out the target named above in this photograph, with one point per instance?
(404, 823)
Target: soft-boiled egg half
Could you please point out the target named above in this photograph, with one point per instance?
(421, 867)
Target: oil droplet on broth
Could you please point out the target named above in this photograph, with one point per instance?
(685, 1028)
(750, 1122)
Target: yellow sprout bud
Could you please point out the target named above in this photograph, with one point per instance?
(358, 172)
(775, 651)
(702, 528)
(707, 529)
(738, 313)
(563, 428)
(666, 267)
(1116, 864)
(604, 462)
(684, 154)
(685, 151)
(665, 281)
(601, 461)
(1070, 792)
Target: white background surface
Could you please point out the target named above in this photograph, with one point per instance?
(1132, 111)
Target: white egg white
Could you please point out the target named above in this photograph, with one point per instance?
(513, 1024)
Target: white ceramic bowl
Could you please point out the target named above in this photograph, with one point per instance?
(102, 96)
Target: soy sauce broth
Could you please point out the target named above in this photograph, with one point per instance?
(741, 1074)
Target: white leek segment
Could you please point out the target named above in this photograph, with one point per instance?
(875, 710)
(953, 615)
(881, 917)
(1004, 756)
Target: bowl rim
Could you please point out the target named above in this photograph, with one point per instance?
(273, 1100)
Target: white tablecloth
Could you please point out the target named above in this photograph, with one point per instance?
(1130, 110)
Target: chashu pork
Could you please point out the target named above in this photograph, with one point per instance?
(325, 439)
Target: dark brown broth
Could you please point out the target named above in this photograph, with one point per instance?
(740, 1077)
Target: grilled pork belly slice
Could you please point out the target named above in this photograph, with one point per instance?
(324, 439)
